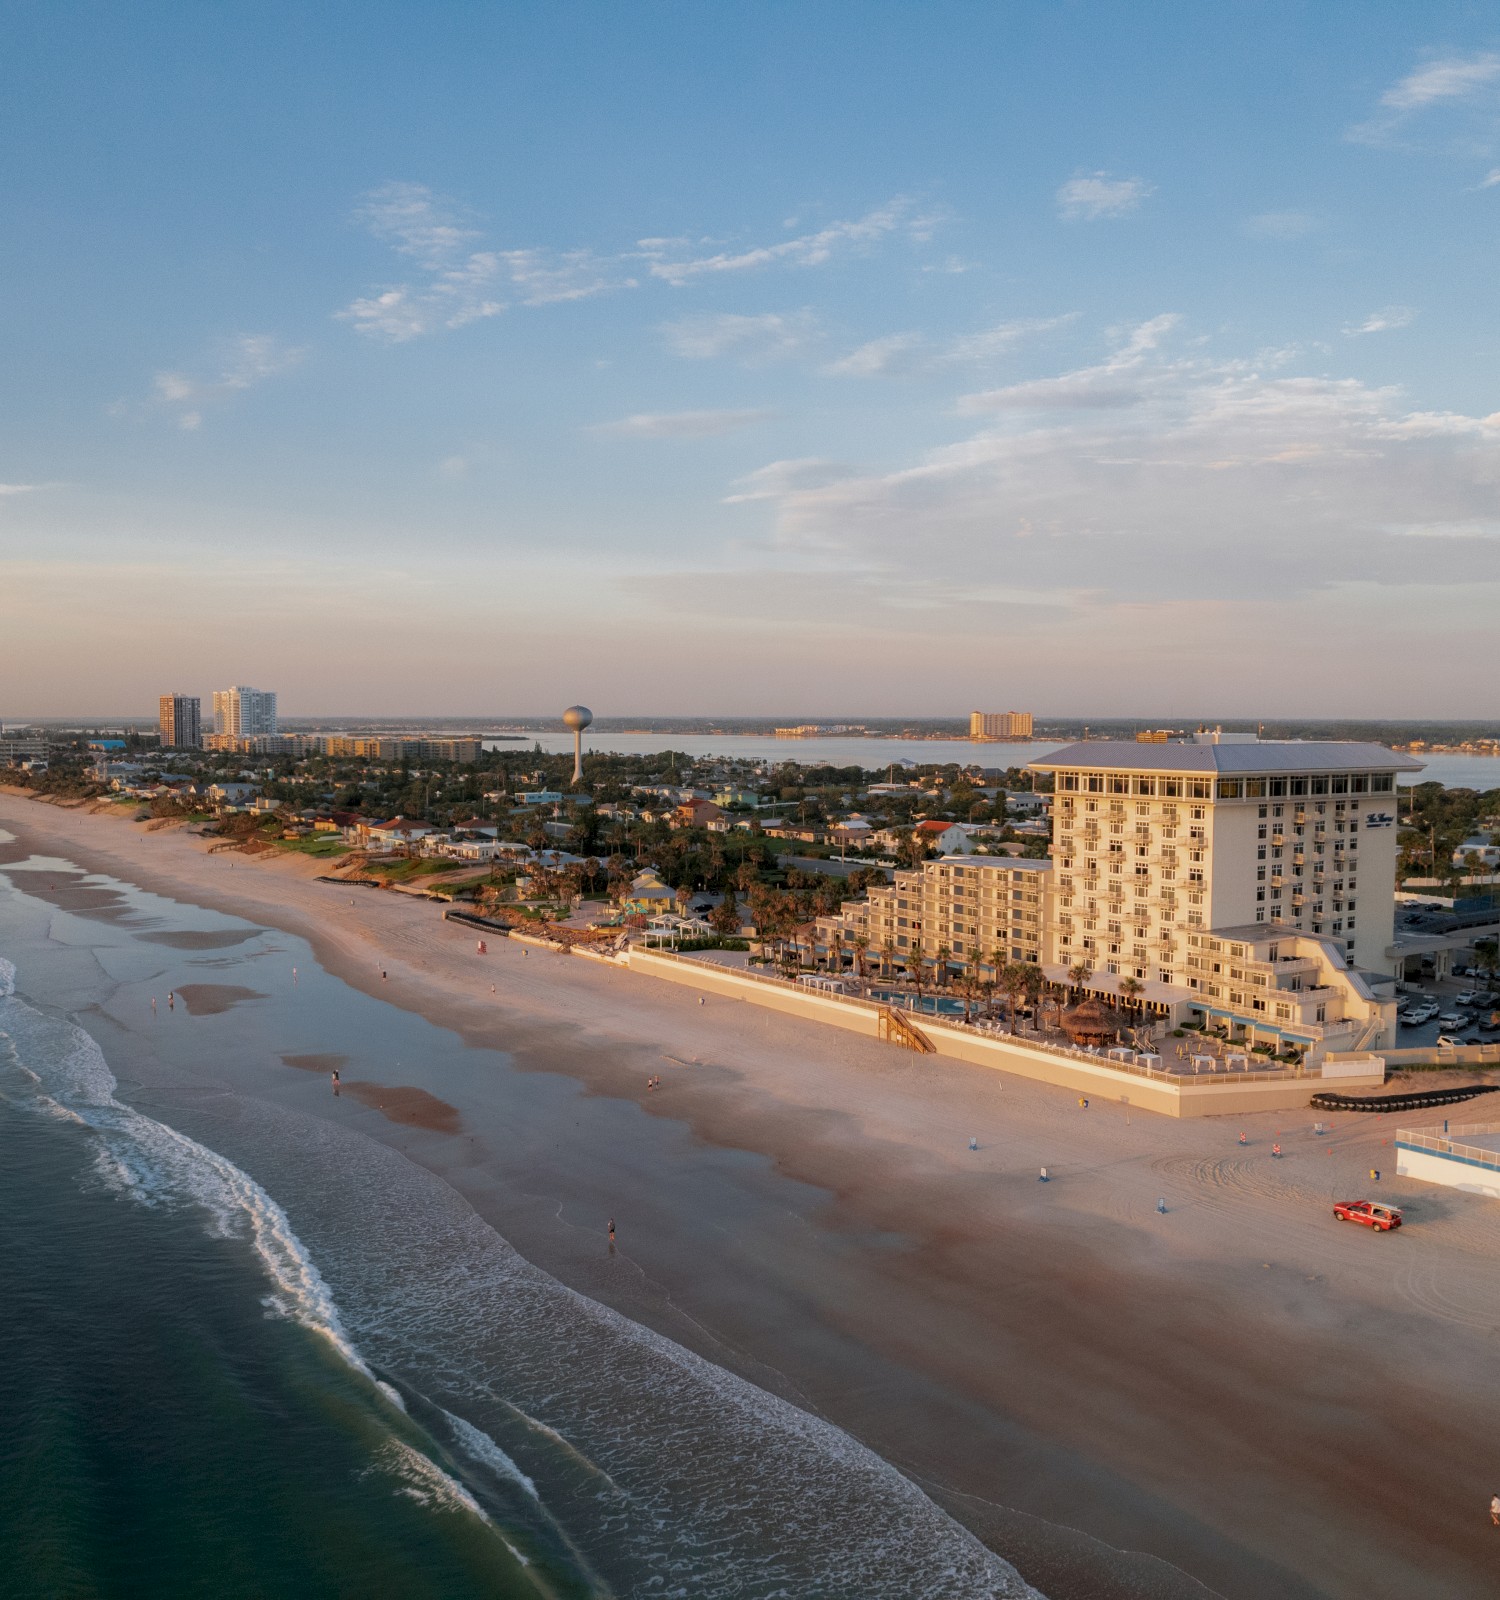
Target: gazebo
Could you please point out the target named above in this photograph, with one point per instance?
(1089, 1023)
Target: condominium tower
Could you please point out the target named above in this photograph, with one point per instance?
(999, 724)
(180, 722)
(1153, 843)
(241, 712)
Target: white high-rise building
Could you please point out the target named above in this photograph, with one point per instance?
(242, 713)
(1156, 843)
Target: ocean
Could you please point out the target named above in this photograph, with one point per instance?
(246, 1349)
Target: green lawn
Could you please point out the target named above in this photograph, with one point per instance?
(318, 844)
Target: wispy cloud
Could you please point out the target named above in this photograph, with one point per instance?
(806, 250)
(1280, 225)
(764, 336)
(1088, 196)
(1454, 78)
(458, 282)
(681, 424)
(1164, 475)
(241, 363)
(1490, 180)
(1382, 321)
(18, 488)
(1464, 85)
(897, 354)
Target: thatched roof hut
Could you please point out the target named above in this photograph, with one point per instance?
(1089, 1023)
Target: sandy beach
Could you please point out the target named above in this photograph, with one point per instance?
(1256, 1400)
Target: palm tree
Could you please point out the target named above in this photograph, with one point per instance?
(1033, 981)
(887, 958)
(916, 965)
(1013, 982)
(836, 951)
(1078, 975)
(861, 945)
(1132, 989)
(969, 987)
(941, 974)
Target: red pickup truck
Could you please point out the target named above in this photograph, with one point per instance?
(1370, 1212)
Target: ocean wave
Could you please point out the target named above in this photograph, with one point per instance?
(661, 1466)
(156, 1165)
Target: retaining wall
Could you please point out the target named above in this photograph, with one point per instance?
(1452, 1171)
(1078, 1074)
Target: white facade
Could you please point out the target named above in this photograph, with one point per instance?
(241, 712)
(1153, 842)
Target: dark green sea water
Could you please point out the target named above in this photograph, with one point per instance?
(246, 1350)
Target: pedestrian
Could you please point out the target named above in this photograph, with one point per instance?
(382, 974)
(611, 1230)
(1495, 1510)
(973, 1143)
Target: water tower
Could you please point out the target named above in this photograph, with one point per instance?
(578, 718)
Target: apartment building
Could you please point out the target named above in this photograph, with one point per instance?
(1156, 843)
(984, 911)
(999, 724)
(385, 748)
(242, 712)
(180, 721)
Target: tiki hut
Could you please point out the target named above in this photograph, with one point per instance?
(1089, 1023)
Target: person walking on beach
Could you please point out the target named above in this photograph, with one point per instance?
(1495, 1510)
(611, 1233)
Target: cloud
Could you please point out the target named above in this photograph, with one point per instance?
(1455, 78)
(1464, 87)
(681, 424)
(1280, 225)
(1092, 195)
(897, 354)
(1158, 477)
(18, 488)
(807, 250)
(1382, 321)
(778, 478)
(766, 336)
(242, 362)
(461, 285)
(1490, 180)
(1108, 386)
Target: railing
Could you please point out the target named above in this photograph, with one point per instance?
(1448, 1144)
(1000, 1035)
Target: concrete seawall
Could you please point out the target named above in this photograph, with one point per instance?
(1075, 1072)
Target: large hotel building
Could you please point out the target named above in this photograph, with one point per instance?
(1237, 880)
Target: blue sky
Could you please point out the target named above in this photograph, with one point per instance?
(685, 358)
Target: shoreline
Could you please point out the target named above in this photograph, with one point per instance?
(1034, 1317)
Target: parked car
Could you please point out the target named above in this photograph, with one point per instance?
(1449, 1041)
(1452, 1019)
(1370, 1212)
(1467, 998)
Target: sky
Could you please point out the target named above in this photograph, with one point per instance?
(863, 359)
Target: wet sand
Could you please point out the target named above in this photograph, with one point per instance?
(1275, 1404)
(212, 999)
(405, 1104)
